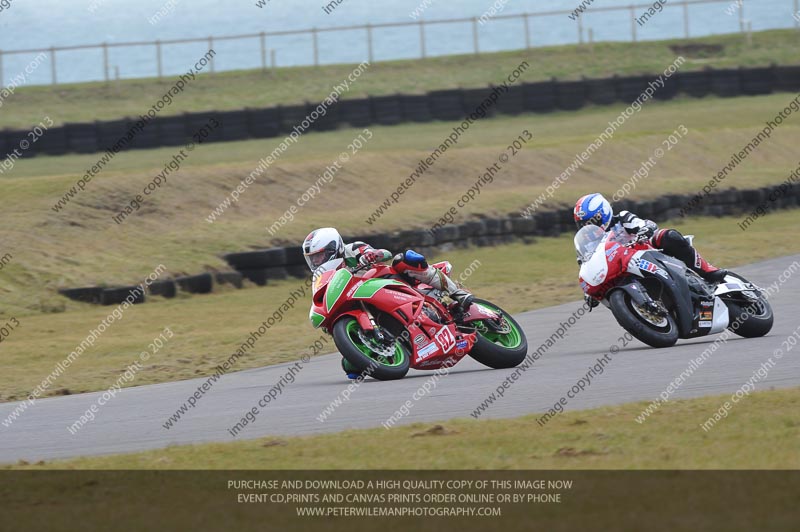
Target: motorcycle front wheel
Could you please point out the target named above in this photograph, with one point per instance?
(380, 362)
(655, 331)
(499, 345)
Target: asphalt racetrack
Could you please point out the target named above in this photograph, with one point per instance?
(134, 419)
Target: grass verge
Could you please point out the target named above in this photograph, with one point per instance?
(761, 433)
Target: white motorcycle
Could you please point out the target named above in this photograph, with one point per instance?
(657, 299)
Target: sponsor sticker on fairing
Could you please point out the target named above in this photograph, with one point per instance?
(652, 268)
(647, 266)
(428, 350)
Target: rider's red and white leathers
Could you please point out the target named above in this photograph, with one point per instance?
(411, 264)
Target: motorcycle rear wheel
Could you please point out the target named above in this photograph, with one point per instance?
(348, 337)
(759, 322)
(641, 328)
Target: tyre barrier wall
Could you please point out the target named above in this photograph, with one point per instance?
(278, 263)
(261, 266)
(538, 97)
(203, 283)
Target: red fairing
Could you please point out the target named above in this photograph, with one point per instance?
(435, 343)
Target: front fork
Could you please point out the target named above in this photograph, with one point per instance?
(641, 297)
(367, 322)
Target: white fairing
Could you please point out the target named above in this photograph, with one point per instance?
(732, 284)
(721, 317)
(590, 245)
(595, 271)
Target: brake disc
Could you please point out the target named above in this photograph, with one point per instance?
(385, 351)
(500, 327)
(655, 318)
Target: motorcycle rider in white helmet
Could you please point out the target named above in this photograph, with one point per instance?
(324, 246)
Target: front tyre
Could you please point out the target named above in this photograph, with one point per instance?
(381, 362)
(653, 330)
(499, 345)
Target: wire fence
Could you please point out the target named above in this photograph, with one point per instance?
(267, 56)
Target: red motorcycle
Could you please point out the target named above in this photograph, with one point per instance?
(383, 326)
(657, 299)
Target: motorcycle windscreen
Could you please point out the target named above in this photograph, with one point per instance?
(587, 241)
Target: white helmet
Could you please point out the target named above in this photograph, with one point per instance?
(322, 245)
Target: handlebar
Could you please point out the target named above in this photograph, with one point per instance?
(636, 241)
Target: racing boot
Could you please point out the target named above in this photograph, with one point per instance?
(706, 270)
(350, 370)
(462, 298)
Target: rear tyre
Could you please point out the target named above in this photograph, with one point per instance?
(499, 345)
(655, 331)
(759, 318)
(381, 362)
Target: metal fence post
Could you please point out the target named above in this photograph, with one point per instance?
(369, 42)
(686, 19)
(580, 29)
(159, 65)
(211, 47)
(263, 39)
(316, 46)
(422, 39)
(53, 74)
(527, 32)
(105, 61)
(475, 35)
(633, 23)
(741, 18)
(272, 58)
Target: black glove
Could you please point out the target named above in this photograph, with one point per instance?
(647, 231)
